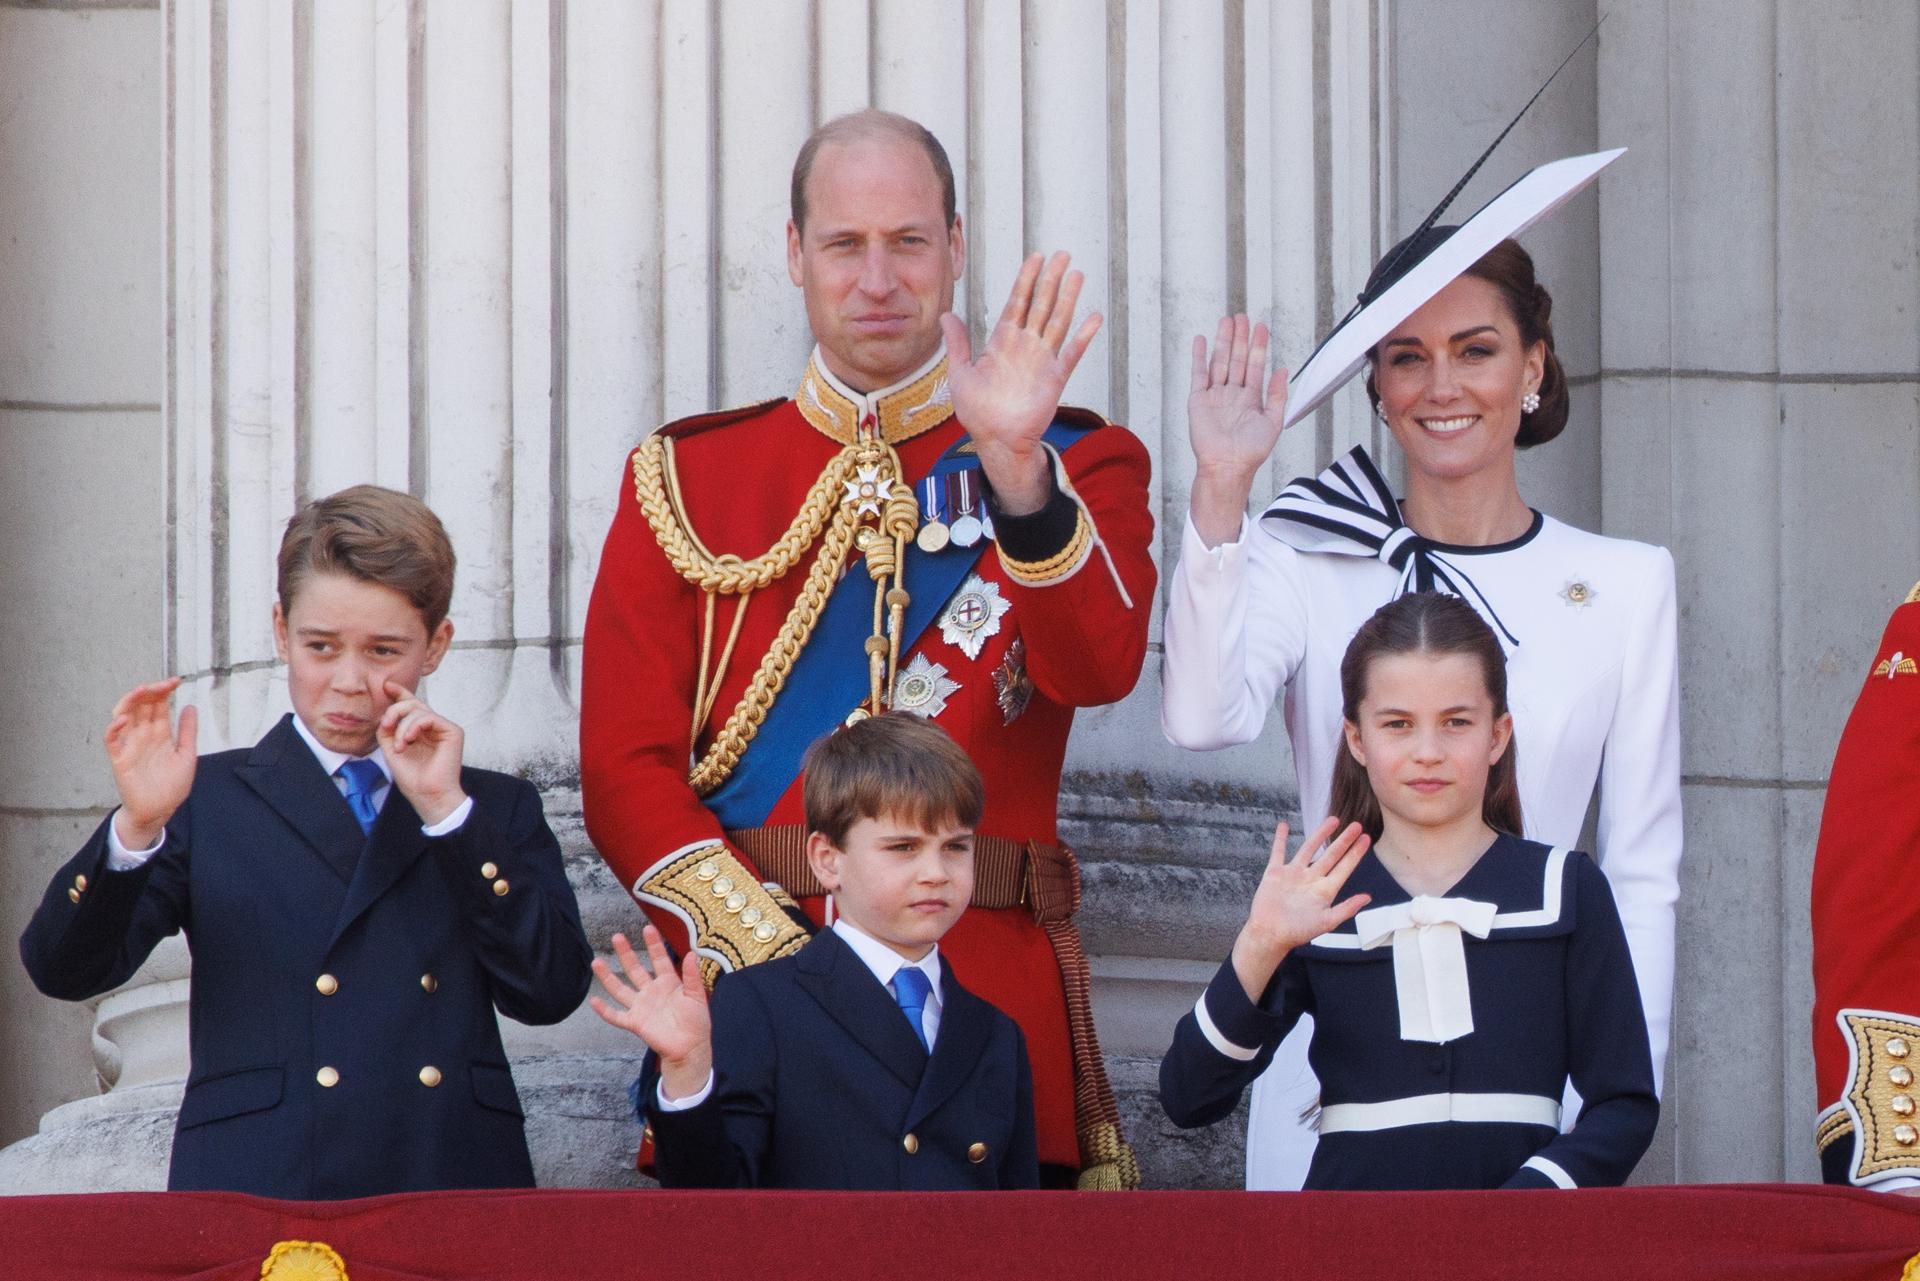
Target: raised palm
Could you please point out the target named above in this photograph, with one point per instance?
(152, 767)
(1232, 425)
(1294, 902)
(1007, 396)
(667, 1008)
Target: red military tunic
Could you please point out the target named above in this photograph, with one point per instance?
(1866, 927)
(1074, 635)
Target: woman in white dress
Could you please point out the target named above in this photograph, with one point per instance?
(1257, 609)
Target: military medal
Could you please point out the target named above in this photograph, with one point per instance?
(1578, 593)
(923, 688)
(966, 502)
(934, 535)
(1012, 687)
(973, 614)
(867, 491)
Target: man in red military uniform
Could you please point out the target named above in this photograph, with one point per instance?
(919, 529)
(1866, 926)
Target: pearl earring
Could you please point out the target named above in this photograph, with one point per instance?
(1530, 402)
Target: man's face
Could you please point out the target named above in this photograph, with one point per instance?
(342, 641)
(876, 261)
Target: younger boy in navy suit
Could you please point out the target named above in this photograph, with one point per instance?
(357, 903)
(859, 1061)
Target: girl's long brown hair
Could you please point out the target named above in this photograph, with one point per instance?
(1422, 623)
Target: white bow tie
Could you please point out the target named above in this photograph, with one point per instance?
(1429, 961)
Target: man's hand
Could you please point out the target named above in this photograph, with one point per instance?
(152, 769)
(1231, 426)
(1294, 904)
(1007, 398)
(665, 1009)
(423, 750)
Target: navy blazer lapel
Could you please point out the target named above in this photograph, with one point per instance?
(289, 778)
(855, 999)
(966, 1022)
(393, 847)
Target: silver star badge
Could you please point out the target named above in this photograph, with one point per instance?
(973, 614)
(923, 688)
(1578, 593)
(866, 491)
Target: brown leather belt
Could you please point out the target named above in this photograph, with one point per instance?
(1042, 877)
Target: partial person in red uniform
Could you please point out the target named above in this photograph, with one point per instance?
(918, 528)
(1866, 926)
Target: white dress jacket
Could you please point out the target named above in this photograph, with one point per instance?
(1593, 685)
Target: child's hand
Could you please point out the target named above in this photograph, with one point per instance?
(1294, 902)
(151, 767)
(666, 1010)
(423, 751)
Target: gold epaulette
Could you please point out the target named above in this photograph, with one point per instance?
(1880, 1100)
(733, 920)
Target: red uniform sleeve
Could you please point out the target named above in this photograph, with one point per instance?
(1084, 612)
(1866, 929)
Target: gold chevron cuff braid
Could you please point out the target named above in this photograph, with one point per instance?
(1885, 1054)
(1062, 564)
(1835, 1126)
(734, 919)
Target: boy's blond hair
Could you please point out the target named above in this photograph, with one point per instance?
(377, 536)
(896, 764)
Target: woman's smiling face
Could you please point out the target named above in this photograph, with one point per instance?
(1451, 379)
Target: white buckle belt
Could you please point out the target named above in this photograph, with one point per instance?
(1426, 1109)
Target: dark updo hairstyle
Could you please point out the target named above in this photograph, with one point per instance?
(1433, 624)
(1508, 268)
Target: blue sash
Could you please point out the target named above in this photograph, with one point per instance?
(830, 679)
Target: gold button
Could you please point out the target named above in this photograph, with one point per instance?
(1902, 1104)
(428, 983)
(80, 883)
(723, 887)
(1905, 1135)
(1901, 1075)
(707, 870)
(429, 1076)
(1896, 1046)
(500, 889)
(911, 1143)
(328, 1077)
(977, 1153)
(489, 870)
(735, 901)
(751, 916)
(327, 984)
(764, 932)
(74, 895)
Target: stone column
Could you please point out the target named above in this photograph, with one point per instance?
(475, 249)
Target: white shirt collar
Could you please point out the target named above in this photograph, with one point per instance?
(883, 960)
(869, 401)
(330, 760)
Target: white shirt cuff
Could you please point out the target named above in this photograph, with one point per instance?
(692, 1101)
(122, 859)
(1216, 557)
(452, 822)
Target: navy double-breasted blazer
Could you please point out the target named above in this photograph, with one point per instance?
(344, 985)
(821, 1083)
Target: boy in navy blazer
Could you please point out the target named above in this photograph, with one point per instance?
(357, 903)
(859, 1062)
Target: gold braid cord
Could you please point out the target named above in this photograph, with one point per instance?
(862, 481)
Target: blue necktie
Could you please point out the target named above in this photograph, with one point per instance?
(363, 779)
(911, 989)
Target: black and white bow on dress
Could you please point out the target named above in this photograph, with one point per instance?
(1348, 510)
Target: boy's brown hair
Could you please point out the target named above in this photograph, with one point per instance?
(377, 536)
(894, 764)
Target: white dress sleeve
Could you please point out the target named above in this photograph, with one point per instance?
(1639, 834)
(1236, 629)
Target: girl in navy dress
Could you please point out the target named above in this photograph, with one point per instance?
(1467, 975)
